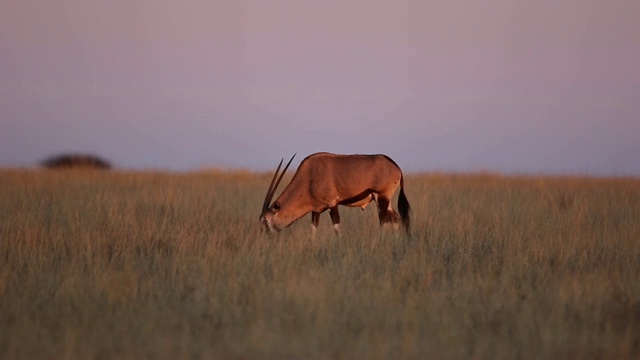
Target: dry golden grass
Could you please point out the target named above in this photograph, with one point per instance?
(160, 265)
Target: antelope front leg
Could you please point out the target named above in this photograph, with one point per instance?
(335, 219)
(315, 219)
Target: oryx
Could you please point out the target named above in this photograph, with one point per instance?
(324, 180)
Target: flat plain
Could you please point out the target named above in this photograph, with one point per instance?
(165, 265)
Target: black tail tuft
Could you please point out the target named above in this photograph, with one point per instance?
(404, 207)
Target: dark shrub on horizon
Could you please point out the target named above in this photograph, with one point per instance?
(75, 161)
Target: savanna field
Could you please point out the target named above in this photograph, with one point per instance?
(124, 265)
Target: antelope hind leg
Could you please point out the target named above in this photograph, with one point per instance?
(386, 214)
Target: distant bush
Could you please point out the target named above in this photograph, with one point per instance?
(72, 161)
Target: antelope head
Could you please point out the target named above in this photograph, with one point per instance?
(269, 212)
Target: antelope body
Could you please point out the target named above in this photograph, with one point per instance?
(323, 181)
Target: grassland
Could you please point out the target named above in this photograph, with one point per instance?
(159, 265)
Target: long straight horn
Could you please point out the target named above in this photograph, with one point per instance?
(275, 187)
(267, 199)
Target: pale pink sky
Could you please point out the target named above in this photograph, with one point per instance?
(512, 86)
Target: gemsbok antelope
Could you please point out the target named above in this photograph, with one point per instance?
(323, 181)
